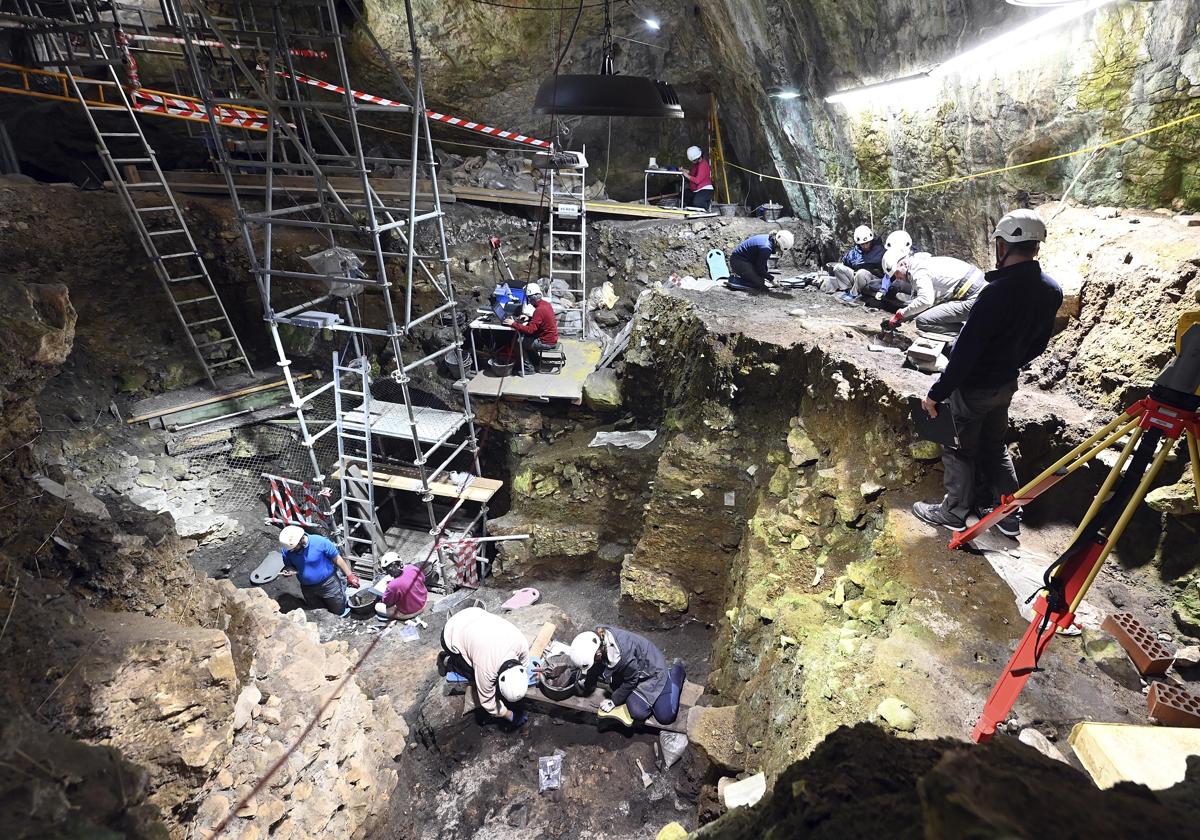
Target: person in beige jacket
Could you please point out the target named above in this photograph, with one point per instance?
(494, 655)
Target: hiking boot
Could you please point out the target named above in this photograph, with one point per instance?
(932, 514)
(1009, 526)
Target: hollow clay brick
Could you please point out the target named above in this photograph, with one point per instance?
(1149, 655)
(1172, 706)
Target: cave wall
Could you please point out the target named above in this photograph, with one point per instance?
(1125, 68)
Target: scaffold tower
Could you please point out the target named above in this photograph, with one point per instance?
(378, 277)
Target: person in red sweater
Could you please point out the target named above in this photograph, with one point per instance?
(699, 190)
(540, 332)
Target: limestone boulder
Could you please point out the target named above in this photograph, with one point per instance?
(713, 731)
(651, 589)
(602, 390)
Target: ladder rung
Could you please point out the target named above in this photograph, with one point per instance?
(237, 360)
(180, 255)
(109, 108)
(214, 343)
(358, 438)
(166, 232)
(358, 521)
(185, 279)
(566, 233)
(195, 300)
(205, 321)
(154, 209)
(119, 134)
(131, 160)
(567, 253)
(143, 185)
(568, 271)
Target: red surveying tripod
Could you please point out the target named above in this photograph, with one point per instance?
(1169, 411)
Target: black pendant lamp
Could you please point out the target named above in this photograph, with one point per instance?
(607, 94)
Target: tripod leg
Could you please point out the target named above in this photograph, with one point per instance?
(1072, 578)
(1056, 472)
(1107, 486)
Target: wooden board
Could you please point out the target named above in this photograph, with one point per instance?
(208, 183)
(480, 195)
(480, 489)
(567, 384)
(541, 640)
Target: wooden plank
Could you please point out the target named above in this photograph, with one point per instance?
(567, 384)
(175, 409)
(608, 208)
(541, 640)
(480, 489)
(207, 183)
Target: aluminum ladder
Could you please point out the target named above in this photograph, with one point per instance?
(159, 222)
(568, 244)
(356, 507)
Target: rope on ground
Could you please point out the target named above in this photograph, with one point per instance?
(957, 179)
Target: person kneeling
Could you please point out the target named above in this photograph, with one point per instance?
(494, 655)
(635, 671)
(748, 263)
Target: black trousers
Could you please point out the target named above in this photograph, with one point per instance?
(746, 272)
(699, 198)
(981, 458)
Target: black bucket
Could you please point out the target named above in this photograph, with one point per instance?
(558, 677)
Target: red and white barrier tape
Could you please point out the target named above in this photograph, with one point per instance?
(167, 39)
(224, 112)
(458, 122)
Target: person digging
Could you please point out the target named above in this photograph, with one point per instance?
(635, 671)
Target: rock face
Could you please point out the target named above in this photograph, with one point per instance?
(862, 782)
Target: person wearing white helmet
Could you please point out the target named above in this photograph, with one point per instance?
(317, 562)
(944, 289)
(494, 654)
(635, 671)
(859, 267)
(538, 328)
(749, 264)
(900, 245)
(1009, 326)
(898, 240)
(699, 191)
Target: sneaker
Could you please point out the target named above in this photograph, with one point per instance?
(934, 515)
(849, 297)
(1009, 526)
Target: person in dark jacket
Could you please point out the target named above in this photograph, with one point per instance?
(748, 264)
(1009, 326)
(635, 671)
(862, 265)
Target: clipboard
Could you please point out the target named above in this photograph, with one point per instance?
(940, 429)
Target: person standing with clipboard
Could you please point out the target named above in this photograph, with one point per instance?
(1009, 326)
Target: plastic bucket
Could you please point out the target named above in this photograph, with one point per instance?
(726, 209)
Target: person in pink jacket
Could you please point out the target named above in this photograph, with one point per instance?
(699, 190)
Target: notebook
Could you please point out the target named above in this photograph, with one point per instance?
(940, 429)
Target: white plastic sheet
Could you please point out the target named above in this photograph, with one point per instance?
(629, 440)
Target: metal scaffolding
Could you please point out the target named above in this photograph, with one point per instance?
(381, 270)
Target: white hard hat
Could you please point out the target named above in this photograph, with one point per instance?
(1021, 226)
(513, 683)
(532, 289)
(583, 649)
(694, 153)
(863, 235)
(291, 536)
(785, 239)
(898, 239)
(892, 258)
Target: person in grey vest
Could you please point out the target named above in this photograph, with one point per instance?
(943, 290)
(634, 669)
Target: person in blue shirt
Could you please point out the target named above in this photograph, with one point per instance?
(860, 267)
(748, 266)
(317, 562)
